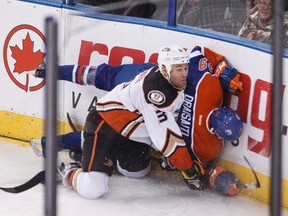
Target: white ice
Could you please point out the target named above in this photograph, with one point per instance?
(156, 194)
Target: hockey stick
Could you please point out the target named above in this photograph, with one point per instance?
(238, 185)
(252, 185)
(39, 178)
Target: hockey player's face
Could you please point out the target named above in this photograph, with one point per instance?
(178, 75)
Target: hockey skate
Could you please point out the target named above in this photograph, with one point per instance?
(40, 71)
(64, 172)
(75, 155)
(36, 147)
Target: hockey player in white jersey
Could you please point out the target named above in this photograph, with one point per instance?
(132, 159)
(143, 111)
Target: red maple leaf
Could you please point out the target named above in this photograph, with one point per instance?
(26, 59)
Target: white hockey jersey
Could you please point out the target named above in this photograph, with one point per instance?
(144, 110)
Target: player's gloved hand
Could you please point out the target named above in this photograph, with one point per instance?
(229, 77)
(235, 84)
(195, 177)
(165, 164)
(40, 71)
(223, 181)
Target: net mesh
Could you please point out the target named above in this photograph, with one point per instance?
(226, 16)
(219, 15)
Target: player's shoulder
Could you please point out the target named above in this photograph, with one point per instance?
(157, 90)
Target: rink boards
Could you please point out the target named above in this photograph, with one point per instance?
(112, 39)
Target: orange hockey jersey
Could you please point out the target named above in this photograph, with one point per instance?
(203, 94)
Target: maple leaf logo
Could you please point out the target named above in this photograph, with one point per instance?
(26, 59)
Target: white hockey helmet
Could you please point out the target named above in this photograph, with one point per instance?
(170, 55)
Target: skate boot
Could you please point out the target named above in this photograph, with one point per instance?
(40, 71)
(75, 155)
(39, 146)
(36, 147)
(65, 171)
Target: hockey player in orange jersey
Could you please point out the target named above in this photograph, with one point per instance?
(198, 119)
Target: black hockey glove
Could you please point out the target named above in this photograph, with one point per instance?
(165, 164)
(195, 177)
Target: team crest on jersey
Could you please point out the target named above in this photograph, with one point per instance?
(156, 97)
(228, 132)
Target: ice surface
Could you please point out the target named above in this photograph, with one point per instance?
(156, 194)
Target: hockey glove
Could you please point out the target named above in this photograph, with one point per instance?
(229, 77)
(165, 164)
(195, 177)
(223, 181)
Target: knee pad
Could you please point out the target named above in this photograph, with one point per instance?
(92, 185)
(133, 174)
(134, 159)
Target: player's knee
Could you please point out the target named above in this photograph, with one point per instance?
(134, 173)
(92, 185)
(134, 160)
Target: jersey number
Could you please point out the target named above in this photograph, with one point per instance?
(161, 116)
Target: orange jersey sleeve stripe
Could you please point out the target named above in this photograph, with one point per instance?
(118, 119)
(80, 74)
(94, 146)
